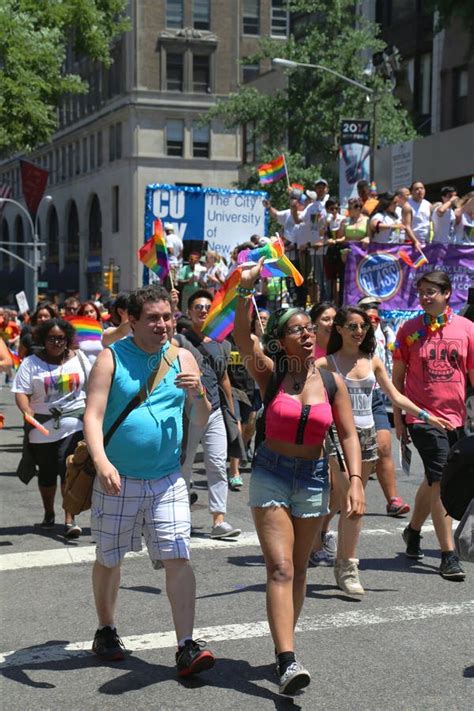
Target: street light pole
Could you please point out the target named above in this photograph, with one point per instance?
(33, 296)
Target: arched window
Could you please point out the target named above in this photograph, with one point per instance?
(95, 227)
(53, 234)
(19, 237)
(72, 247)
(4, 258)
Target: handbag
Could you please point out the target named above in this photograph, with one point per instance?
(80, 469)
(464, 535)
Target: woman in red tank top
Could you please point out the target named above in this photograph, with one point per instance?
(289, 486)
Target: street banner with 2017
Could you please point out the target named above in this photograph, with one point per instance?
(379, 272)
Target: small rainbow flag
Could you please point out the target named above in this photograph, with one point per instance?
(419, 261)
(220, 319)
(276, 262)
(87, 329)
(154, 254)
(272, 171)
(16, 360)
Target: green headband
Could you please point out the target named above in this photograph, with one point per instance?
(277, 322)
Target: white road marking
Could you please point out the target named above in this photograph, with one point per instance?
(86, 554)
(39, 655)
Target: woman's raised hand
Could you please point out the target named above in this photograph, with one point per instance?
(251, 274)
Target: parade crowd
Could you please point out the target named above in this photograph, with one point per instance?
(298, 394)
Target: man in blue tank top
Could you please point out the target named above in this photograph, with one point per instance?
(139, 488)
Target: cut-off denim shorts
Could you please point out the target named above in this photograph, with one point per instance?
(300, 485)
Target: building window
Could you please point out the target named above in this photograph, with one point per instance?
(460, 91)
(77, 158)
(174, 137)
(92, 152)
(279, 18)
(174, 71)
(201, 136)
(62, 171)
(111, 143)
(251, 17)
(84, 155)
(249, 143)
(100, 149)
(202, 14)
(250, 72)
(115, 208)
(118, 141)
(174, 13)
(425, 84)
(201, 73)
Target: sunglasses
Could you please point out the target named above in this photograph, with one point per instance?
(56, 339)
(202, 307)
(353, 327)
(74, 309)
(357, 206)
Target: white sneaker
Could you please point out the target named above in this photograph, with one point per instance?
(346, 573)
(225, 530)
(295, 678)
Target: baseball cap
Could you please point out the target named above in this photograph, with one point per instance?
(168, 226)
(366, 300)
(321, 180)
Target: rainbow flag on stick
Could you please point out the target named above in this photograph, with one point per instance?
(87, 329)
(220, 319)
(154, 254)
(276, 262)
(419, 261)
(272, 171)
(16, 360)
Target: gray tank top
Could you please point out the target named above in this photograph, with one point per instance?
(360, 392)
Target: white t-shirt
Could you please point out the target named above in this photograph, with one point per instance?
(443, 225)
(91, 349)
(464, 230)
(385, 236)
(420, 220)
(285, 218)
(312, 226)
(53, 386)
(174, 242)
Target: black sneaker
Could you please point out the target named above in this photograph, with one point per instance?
(47, 522)
(191, 658)
(450, 567)
(108, 646)
(193, 497)
(412, 539)
(72, 530)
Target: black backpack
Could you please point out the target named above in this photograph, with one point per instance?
(457, 484)
(275, 381)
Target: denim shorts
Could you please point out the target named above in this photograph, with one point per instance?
(300, 485)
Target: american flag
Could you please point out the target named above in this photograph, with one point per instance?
(5, 192)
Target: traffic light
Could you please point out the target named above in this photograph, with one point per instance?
(108, 279)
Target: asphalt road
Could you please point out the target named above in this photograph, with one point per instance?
(406, 646)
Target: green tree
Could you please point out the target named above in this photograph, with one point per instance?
(305, 117)
(34, 37)
(449, 10)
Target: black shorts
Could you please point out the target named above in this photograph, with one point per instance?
(433, 446)
(379, 411)
(242, 411)
(51, 458)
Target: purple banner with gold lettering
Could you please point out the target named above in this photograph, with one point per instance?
(379, 272)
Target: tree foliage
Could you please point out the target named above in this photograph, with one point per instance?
(34, 37)
(306, 116)
(449, 10)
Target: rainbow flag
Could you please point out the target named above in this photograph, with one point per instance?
(154, 254)
(220, 319)
(87, 329)
(272, 171)
(16, 360)
(276, 262)
(419, 261)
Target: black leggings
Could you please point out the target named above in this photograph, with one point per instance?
(51, 458)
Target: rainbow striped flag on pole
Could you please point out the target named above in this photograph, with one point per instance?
(276, 262)
(272, 171)
(419, 261)
(87, 329)
(154, 254)
(220, 319)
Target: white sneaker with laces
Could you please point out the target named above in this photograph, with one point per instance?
(295, 678)
(225, 530)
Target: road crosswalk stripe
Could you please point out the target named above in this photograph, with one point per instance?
(86, 554)
(45, 654)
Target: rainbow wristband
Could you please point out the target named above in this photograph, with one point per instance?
(245, 293)
(423, 415)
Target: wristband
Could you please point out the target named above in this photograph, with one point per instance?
(423, 415)
(354, 476)
(245, 293)
(201, 395)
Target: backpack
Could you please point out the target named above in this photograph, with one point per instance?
(457, 484)
(275, 381)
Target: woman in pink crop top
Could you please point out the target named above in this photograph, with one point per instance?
(289, 486)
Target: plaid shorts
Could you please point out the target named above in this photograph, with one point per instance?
(368, 444)
(156, 508)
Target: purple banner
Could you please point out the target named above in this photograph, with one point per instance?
(379, 272)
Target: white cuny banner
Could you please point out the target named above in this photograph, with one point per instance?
(222, 218)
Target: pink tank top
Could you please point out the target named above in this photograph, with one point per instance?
(288, 420)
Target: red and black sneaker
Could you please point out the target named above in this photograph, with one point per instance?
(191, 658)
(108, 646)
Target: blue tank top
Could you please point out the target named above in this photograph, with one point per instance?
(147, 445)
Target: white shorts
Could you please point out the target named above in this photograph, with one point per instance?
(158, 508)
